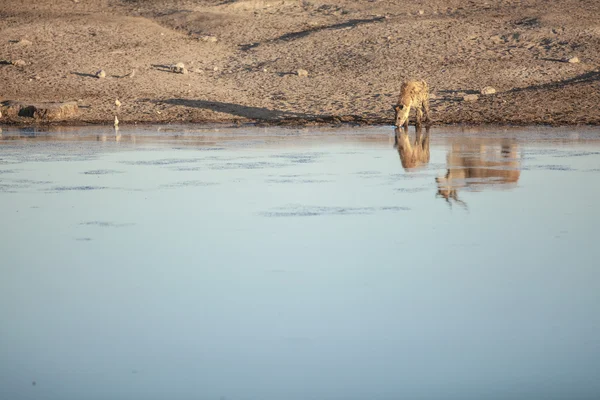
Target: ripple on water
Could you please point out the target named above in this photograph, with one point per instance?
(106, 224)
(164, 161)
(368, 174)
(14, 186)
(77, 188)
(577, 153)
(252, 165)
(103, 172)
(313, 211)
(412, 190)
(195, 183)
(298, 180)
(9, 188)
(299, 158)
(548, 167)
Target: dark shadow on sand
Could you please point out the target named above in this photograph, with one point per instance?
(256, 113)
(300, 34)
(83, 74)
(559, 60)
(453, 95)
(162, 67)
(588, 77)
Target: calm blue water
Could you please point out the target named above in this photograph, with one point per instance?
(266, 264)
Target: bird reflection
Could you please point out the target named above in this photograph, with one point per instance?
(414, 154)
(475, 164)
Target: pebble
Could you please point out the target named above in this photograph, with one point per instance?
(488, 90)
(179, 68)
(208, 38)
(302, 73)
(573, 60)
(101, 74)
(19, 63)
(25, 42)
(470, 97)
(497, 39)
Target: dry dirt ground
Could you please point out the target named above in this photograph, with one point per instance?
(243, 58)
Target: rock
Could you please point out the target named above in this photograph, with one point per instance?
(117, 103)
(24, 42)
(178, 68)
(208, 38)
(101, 74)
(497, 39)
(41, 111)
(215, 69)
(265, 70)
(116, 121)
(19, 63)
(470, 97)
(421, 12)
(302, 73)
(488, 90)
(573, 60)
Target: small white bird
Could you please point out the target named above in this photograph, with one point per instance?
(117, 103)
(116, 121)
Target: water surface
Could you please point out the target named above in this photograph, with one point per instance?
(262, 264)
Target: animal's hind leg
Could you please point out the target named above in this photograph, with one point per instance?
(427, 112)
(418, 135)
(419, 116)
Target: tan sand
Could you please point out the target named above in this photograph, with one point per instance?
(246, 61)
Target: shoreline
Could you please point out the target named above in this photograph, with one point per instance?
(292, 124)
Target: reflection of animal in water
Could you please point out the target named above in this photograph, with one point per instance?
(474, 166)
(412, 94)
(414, 154)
